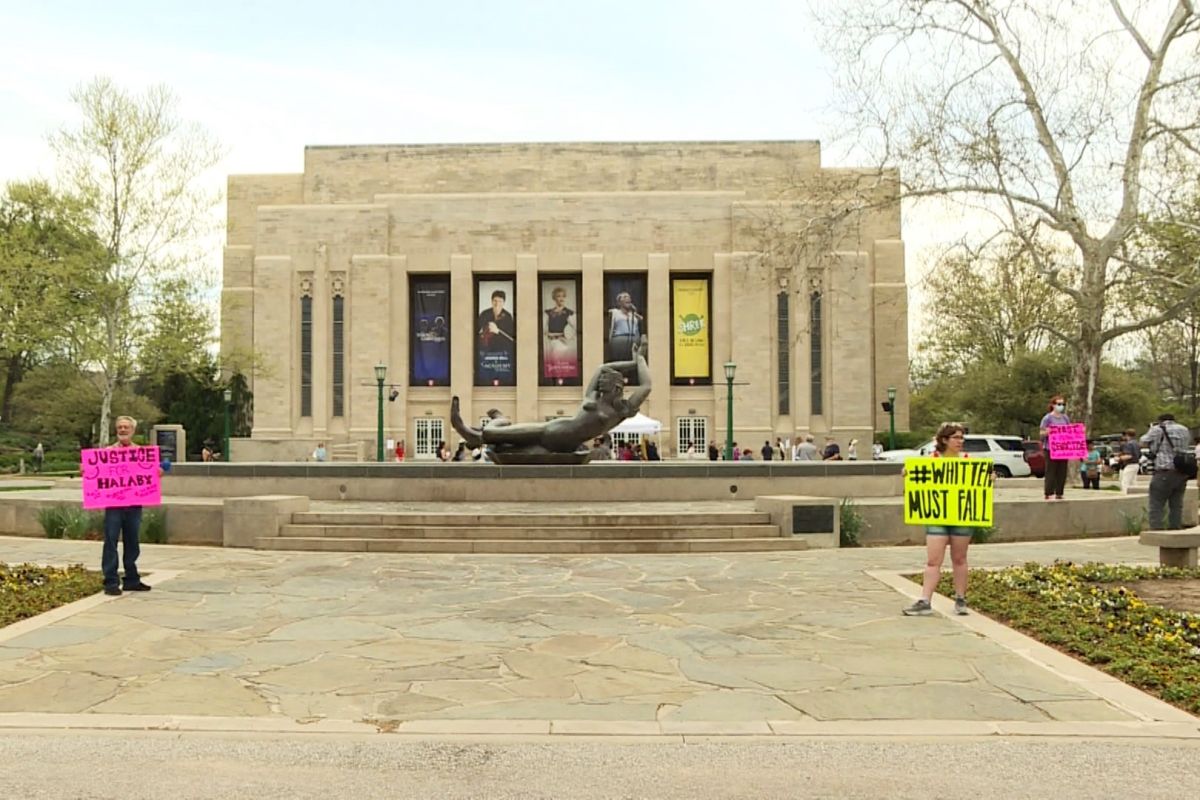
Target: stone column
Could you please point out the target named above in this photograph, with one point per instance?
(658, 300)
(462, 340)
(529, 306)
(322, 318)
(368, 302)
(851, 376)
(889, 302)
(592, 322)
(276, 322)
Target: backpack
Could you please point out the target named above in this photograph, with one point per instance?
(1185, 462)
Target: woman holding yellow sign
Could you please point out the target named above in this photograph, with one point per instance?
(948, 444)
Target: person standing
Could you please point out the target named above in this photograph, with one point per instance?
(320, 454)
(806, 450)
(39, 457)
(948, 443)
(1055, 480)
(1129, 457)
(1089, 468)
(877, 451)
(1166, 440)
(852, 450)
(768, 452)
(400, 451)
(122, 524)
(713, 453)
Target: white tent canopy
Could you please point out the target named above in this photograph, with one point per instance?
(639, 423)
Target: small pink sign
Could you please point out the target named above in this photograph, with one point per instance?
(1068, 441)
(120, 476)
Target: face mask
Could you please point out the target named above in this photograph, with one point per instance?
(1060, 408)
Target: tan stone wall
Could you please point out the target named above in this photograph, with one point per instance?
(359, 174)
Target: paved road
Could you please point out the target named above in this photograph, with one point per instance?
(99, 765)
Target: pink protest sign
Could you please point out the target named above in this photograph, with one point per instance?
(1068, 441)
(120, 476)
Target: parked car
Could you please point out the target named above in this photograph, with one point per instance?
(1007, 452)
(1035, 457)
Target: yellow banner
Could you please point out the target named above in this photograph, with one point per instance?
(690, 332)
(948, 491)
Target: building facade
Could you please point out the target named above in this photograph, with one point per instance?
(506, 274)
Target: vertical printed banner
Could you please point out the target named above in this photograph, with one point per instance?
(624, 317)
(429, 339)
(948, 491)
(496, 333)
(690, 348)
(560, 332)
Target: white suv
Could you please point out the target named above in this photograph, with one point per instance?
(1005, 451)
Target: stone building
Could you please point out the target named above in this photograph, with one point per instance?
(748, 252)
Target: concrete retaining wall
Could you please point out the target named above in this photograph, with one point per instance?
(190, 521)
(615, 482)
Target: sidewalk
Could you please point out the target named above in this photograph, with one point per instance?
(801, 643)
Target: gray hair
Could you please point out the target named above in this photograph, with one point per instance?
(132, 421)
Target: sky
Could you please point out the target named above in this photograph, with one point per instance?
(268, 78)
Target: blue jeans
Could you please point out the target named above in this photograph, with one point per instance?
(122, 524)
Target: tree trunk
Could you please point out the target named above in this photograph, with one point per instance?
(12, 377)
(1086, 372)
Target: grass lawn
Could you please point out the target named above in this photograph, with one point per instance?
(27, 590)
(1138, 624)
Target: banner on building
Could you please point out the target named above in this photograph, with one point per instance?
(560, 332)
(948, 491)
(624, 317)
(429, 339)
(1068, 441)
(120, 476)
(495, 333)
(691, 360)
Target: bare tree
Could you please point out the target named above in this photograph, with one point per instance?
(1066, 121)
(136, 165)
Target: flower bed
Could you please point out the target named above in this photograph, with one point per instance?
(27, 590)
(1085, 610)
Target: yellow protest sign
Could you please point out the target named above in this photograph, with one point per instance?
(948, 491)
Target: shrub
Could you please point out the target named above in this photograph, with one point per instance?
(1133, 524)
(154, 526)
(983, 535)
(53, 520)
(76, 522)
(852, 523)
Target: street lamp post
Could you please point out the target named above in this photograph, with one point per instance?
(891, 417)
(380, 377)
(730, 369)
(228, 404)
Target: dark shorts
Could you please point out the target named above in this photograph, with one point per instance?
(948, 530)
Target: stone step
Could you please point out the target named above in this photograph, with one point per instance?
(531, 546)
(605, 532)
(559, 520)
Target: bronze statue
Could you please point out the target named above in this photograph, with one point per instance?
(561, 441)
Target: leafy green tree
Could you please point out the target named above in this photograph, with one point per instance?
(136, 166)
(57, 401)
(1063, 122)
(50, 263)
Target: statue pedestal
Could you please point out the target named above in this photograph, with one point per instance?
(550, 459)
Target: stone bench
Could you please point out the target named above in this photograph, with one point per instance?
(1175, 548)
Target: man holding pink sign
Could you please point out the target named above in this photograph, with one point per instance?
(121, 479)
(1056, 465)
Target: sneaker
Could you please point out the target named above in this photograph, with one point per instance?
(920, 608)
(138, 587)
(112, 590)
(960, 606)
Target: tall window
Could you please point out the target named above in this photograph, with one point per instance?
(339, 356)
(691, 433)
(620, 437)
(814, 325)
(785, 374)
(306, 356)
(430, 431)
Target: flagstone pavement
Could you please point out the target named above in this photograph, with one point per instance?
(658, 640)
